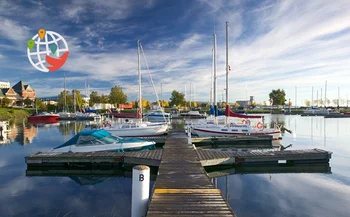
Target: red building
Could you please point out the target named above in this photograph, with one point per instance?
(18, 93)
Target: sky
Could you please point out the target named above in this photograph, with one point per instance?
(292, 45)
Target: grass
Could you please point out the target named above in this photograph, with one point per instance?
(15, 113)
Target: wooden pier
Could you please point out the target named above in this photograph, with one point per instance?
(182, 187)
(154, 158)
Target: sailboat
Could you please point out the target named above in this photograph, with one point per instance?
(212, 128)
(137, 128)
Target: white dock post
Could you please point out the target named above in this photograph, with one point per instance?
(189, 140)
(140, 190)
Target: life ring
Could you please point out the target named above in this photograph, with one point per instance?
(244, 122)
(260, 126)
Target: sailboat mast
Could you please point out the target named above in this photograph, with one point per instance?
(139, 74)
(64, 91)
(212, 75)
(226, 63)
(215, 102)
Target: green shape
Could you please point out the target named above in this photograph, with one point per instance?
(31, 44)
(53, 48)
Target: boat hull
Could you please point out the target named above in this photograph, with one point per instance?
(119, 147)
(156, 130)
(203, 132)
(125, 115)
(43, 119)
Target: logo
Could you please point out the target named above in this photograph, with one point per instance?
(47, 51)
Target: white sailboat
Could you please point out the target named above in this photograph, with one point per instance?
(212, 128)
(137, 128)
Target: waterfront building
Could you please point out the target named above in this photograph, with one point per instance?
(17, 94)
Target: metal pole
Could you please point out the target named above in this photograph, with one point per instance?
(321, 97)
(296, 99)
(317, 99)
(325, 94)
(215, 100)
(338, 99)
(312, 97)
(65, 98)
(190, 94)
(212, 76)
(161, 91)
(140, 190)
(139, 74)
(226, 63)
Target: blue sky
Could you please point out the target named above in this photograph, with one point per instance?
(273, 44)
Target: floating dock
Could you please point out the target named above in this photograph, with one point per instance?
(182, 187)
(154, 158)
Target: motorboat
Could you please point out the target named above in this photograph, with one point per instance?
(66, 115)
(87, 116)
(44, 117)
(316, 111)
(158, 115)
(101, 140)
(193, 114)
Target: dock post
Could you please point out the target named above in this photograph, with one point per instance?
(189, 140)
(140, 190)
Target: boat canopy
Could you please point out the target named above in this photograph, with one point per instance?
(230, 113)
(90, 137)
(218, 112)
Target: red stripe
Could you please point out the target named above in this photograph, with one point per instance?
(208, 131)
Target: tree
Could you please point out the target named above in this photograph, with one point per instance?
(117, 96)
(5, 101)
(39, 104)
(64, 104)
(163, 103)
(307, 103)
(278, 96)
(79, 101)
(236, 105)
(177, 98)
(104, 98)
(94, 98)
(145, 103)
(27, 101)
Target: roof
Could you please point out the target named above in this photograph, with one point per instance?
(19, 86)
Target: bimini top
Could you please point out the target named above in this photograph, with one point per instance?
(89, 137)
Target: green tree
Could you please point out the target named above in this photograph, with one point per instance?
(177, 99)
(27, 101)
(307, 103)
(236, 105)
(117, 96)
(105, 98)
(94, 98)
(79, 101)
(5, 101)
(64, 104)
(278, 96)
(40, 105)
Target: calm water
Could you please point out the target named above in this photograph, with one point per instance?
(283, 194)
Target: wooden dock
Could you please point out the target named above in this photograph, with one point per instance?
(182, 187)
(154, 158)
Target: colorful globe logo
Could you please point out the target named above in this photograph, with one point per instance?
(47, 51)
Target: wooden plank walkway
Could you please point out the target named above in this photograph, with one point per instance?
(182, 187)
(154, 157)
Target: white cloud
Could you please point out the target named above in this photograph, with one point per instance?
(13, 31)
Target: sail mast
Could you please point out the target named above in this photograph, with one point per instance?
(226, 68)
(139, 74)
(215, 103)
(212, 71)
(64, 91)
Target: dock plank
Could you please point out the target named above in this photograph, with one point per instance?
(182, 186)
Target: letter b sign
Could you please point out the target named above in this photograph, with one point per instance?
(141, 177)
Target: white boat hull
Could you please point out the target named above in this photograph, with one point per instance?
(107, 147)
(156, 130)
(224, 131)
